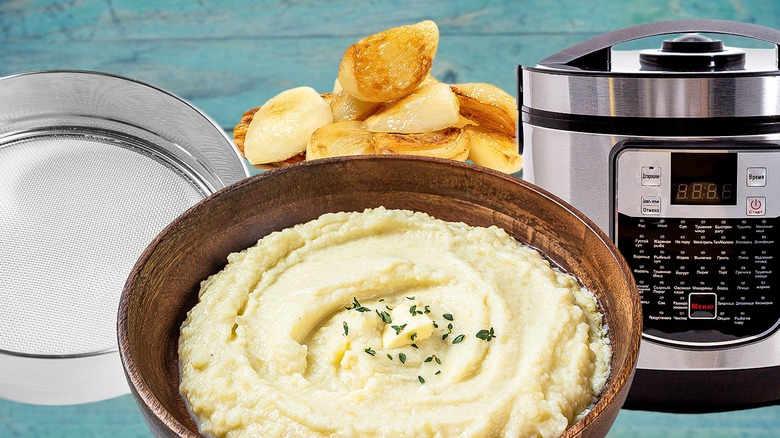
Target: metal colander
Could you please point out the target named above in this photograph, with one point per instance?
(92, 167)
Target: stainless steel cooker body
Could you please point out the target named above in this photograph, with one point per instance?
(585, 105)
(571, 156)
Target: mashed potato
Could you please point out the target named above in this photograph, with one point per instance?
(391, 323)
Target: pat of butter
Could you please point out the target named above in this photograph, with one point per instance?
(406, 328)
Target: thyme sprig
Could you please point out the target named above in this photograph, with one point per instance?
(486, 335)
(398, 328)
(357, 306)
(433, 358)
(385, 317)
(449, 330)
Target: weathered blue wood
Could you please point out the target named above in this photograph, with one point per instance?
(211, 19)
(120, 418)
(115, 418)
(225, 78)
(228, 56)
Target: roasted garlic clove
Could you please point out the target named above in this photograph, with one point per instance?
(239, 132)
(488, 106)
(493, 149)
(338, 139)
(448, 143)
(281, 128)
(390, 64)
(347, 107)
(429, 108)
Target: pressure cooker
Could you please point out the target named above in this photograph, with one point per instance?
(673, 149)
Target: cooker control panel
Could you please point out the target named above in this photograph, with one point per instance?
(700, 227)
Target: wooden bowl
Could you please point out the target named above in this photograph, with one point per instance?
(164, 283)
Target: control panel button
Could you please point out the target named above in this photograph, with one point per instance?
(702, 305)
(651, 205)
(756, 205)
(756, 176)
(651, 176)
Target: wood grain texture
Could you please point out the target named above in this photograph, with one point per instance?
(228, 56)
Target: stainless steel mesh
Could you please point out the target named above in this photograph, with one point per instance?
(76, 211)
(92, 167)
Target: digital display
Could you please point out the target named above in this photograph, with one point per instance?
(706, 178)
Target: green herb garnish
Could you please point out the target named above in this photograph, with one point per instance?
(356, 306)
(402, 357)
(346, 328)
(486, 335)
(433, 358)
(447, 316)
(458, 339)
(398, 328)
(384, 316)
(422, 381)
(370, 351)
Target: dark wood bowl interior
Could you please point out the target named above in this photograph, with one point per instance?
(163, 285)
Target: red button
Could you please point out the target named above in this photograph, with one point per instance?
(756, 206)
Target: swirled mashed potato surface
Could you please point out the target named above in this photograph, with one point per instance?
(391, 323)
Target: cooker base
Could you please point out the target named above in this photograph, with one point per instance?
(703, 391)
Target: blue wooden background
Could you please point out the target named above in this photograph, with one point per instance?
(228, 56)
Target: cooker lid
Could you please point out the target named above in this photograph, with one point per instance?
(597, 55)
(690, 76)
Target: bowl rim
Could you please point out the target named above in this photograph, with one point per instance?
(143, 392)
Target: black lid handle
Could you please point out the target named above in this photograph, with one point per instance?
(594, 54)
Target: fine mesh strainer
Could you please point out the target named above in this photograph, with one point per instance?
(92, 167)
